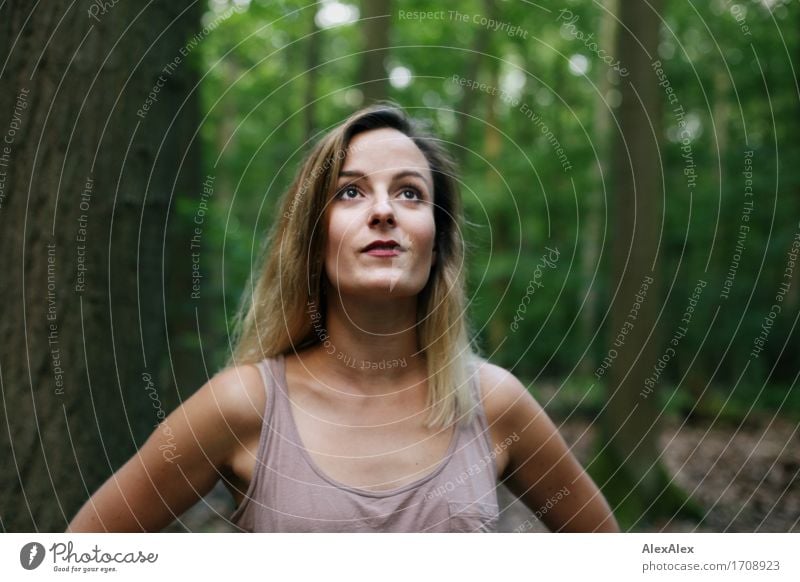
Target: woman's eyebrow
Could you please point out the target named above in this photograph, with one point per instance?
(354, 173)
(405, 173)
(401, 174)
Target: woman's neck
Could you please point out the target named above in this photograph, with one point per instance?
(370, 344)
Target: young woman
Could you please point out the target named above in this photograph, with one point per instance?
(354, 400)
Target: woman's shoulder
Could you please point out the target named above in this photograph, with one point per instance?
(502, 393)
(237, 393)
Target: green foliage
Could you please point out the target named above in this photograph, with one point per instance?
(518, 196)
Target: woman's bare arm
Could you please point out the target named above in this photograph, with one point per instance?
(541, 469)
(181, 461)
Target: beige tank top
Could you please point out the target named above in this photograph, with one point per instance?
(289, 492)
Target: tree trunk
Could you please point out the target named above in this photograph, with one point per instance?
(477, 60)
(592, 239)
(497, 328)
(314, 39)
(376, 17)
(636, 483)
(87, 184)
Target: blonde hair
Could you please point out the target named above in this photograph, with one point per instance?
(276, 316)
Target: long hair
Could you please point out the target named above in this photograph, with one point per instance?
(283, 310)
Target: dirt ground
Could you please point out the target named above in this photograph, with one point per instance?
(746, 480)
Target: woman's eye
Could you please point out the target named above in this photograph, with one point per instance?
(414, 194)
(344, 192)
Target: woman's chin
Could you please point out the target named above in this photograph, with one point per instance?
(389, 287)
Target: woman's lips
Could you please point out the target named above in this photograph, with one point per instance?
(378, 252)
(383, 248)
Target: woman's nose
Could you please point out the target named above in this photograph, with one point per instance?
(382, 210)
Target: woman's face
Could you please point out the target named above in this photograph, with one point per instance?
(384, 193)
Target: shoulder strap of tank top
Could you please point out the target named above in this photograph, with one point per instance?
(242, 515)
(270, 371)
(480, 411)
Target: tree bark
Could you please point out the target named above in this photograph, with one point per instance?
(595, 196)
(376, 17)
(477, 61)
(497, 328)
(314, 39)
(635, 481)
(88, 182)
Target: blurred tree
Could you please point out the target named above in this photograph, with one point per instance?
(82, 228)
(595, 196)
(478, 59)
(376, 19)
(630, 469)
(314, 39)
